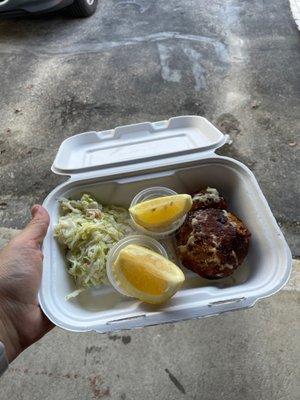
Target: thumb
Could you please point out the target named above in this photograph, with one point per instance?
(37, 228)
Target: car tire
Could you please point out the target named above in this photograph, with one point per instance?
(82, 8)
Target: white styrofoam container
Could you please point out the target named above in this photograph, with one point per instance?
(116, 164)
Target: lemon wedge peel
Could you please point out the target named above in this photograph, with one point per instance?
(161, 212)
(146, 275)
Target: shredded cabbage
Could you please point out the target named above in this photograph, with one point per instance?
(88, 230)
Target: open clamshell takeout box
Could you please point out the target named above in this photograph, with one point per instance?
(113, 166)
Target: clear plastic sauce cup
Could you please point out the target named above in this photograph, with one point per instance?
(149, 194)
(140, 240)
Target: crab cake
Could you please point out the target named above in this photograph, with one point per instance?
(212, 242)
(208, 198)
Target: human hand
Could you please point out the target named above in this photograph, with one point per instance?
(22, 321)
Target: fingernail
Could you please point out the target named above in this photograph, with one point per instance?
(35, 209)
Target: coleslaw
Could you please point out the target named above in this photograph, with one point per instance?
(88, 230)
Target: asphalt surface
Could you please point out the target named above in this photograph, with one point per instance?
(238, 64)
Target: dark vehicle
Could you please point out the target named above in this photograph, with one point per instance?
(77, 8)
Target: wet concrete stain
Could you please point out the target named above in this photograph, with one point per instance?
(114, 337)
(126, 339)
(194, 106)
(175, 381)
(20, 151)
(72, 107)
(92, 349)
(228, 123)
(92, 355)
(231, 150)
(265, 120)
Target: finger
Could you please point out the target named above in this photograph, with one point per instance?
(37, 228)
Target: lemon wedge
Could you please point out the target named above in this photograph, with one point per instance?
(161, 211)
(146, 275)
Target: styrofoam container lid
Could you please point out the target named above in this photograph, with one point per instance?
(137, 145)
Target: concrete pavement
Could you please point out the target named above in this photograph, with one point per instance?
(249, 354)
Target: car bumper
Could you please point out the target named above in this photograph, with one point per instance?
(15, 7)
